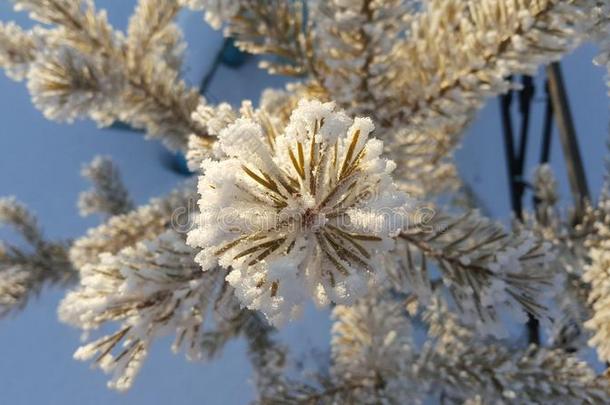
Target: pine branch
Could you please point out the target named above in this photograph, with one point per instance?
(122, 231)
(597, 276)
(371, 346)
(462, 367)
(482, 267)
(277, 28)
(149, 290)
(17, 50)
(457, 65)
(568, 239)
(152, 34)
(131, 79)
(457, 54)
(378, 363)
(314, 196)
(108, 196)
(23, 274)
(424, 160)
(355, 41)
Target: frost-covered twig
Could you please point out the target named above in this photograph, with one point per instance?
(273, 28)
(354, 41)
(86, 68)
(151, 289)
(375, 361)
(145, 222)
(484, 268)
(108, 196)
(461, 52)
(567, 237)
(307, 212)
(455, 363)
(457, 54)
(24, 273)
(597, 274)
(17, 50)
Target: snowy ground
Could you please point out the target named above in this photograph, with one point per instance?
(40, 163)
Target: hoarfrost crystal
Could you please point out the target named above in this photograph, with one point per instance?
(215, 10)
(151, 289)
(303, 213)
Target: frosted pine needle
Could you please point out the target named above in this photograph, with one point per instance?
(303, 213)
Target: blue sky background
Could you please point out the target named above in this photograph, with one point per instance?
(40, 163)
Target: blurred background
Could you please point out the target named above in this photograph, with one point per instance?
(40, 163)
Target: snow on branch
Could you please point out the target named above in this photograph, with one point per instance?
(305, 212)
(151, 289)
(121, 231)
(267, 27)
(461, 367)
(459, 53)
(456, 55)
(597, 275)
(424, 165)
(66, 84)
(218, 11)
(153, 34)
(372, 344)
(86, 68)
(354, 41)
(108, 196)
(17, 50)
(375, 361)
(485, 269)
(23, 273)
(568, 239)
